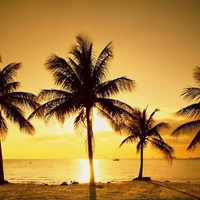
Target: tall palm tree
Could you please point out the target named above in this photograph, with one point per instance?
(142, 129)
(12, 103)
(192, 111)
(82, 79)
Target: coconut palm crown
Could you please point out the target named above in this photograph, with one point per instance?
(83, 83)
(142, 129)
(12, 106)
(192, 111)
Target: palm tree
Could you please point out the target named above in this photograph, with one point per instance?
(141, 129)
(83, 88)
(11, 104)
(192, 111)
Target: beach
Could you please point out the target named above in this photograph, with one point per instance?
(129, 190)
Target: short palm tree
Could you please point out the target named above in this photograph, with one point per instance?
(192, 111)
(142, 129)
(82, 79)
(12, 103)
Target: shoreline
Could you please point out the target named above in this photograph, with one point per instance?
(102, 182)
(127, 190)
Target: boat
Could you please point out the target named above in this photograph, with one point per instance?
(115, 159)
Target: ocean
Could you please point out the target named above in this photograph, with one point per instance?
(56, 171)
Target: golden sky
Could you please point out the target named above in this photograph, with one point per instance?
(156, 43)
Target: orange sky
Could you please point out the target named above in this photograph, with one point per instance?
(156, 43)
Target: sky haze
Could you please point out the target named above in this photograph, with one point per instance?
(156, 43)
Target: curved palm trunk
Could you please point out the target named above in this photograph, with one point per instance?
(1, 166)
(141, 162)
(90, 145)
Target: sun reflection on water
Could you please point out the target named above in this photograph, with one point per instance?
(84, 173)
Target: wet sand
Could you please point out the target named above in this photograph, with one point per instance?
(133, 190)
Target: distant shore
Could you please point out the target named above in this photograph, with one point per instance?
(129, 190)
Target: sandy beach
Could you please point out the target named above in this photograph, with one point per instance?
(133, 190)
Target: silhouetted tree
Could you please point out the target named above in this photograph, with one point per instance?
(142, 129)
(83, 87)
(12, 103)
(192, 111)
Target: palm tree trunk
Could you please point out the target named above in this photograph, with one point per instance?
(90, 145)
(141, 162)
(1, 166)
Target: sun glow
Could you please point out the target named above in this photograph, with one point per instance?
(100, 124)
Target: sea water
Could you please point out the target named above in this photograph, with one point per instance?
(56, 171)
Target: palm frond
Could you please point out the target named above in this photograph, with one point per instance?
(83, 52)
(84, 64)
(186, 128)
(9, 72)
(162, 125)
(129, 139)
(55, 108)
(22, 99)
(114, 107)
(143, 122)
(16, 115)
(51, 94)
(156, 129)
(84, 43)
(163, 148)
(138, 146)
(115, 86)
(61, 108)
(62, 72)
(114, 111)
(55, 63)
(10, 87)
(101, 65)
(80, 120)
(12, 101)
(92, 142)
(197, 74)
(3, 127)
(150, 120)
(60, 104)
(191, 93)
(77, 57)
(39, 112)
(141, 144)
(191, 111)
(195, 142)
(113, 121)
(26, 126)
